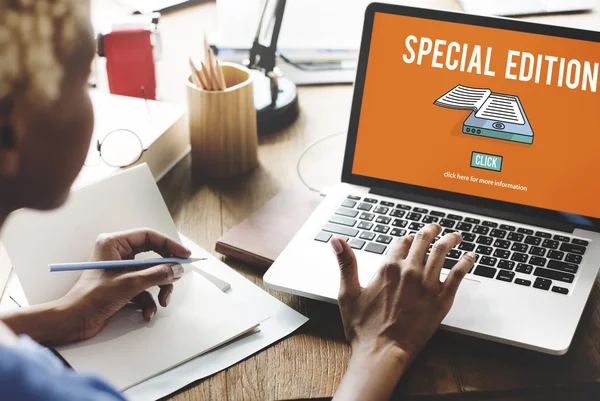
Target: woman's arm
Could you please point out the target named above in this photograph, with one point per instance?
(390, 321)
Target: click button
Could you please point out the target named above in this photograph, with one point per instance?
(486, 162)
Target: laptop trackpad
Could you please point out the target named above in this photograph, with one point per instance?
(461, 311)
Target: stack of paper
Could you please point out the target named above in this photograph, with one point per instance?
(129, 350)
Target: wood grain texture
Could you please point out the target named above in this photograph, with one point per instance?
(310, 363)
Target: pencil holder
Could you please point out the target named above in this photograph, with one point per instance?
(223, 131)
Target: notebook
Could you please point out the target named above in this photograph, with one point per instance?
(184, 330)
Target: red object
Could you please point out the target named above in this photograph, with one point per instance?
(130, 63)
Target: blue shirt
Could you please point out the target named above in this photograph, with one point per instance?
(30, 372)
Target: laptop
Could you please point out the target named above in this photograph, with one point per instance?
(525, 7)
(489, 127)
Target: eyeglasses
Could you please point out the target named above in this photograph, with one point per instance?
(119, 148)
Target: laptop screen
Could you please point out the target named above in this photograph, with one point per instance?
(488, 112)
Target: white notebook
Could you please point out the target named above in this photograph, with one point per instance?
(129, 350)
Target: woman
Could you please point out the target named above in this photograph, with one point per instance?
(46, 122)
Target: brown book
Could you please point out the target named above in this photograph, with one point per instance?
(259, 239)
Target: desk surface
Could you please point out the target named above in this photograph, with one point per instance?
(310, 364)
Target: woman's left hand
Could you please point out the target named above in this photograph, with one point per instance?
(99, 294)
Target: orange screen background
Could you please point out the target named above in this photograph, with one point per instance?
(404, 137)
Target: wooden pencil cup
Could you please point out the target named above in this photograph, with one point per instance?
(223, 131)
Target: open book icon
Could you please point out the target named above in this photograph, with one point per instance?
(494, 115)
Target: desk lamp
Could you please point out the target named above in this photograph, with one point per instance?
(275, 97)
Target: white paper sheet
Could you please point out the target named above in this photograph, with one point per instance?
(283, 321)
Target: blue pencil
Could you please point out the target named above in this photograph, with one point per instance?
(121, 264)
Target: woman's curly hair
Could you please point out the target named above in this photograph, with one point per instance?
(36, 36)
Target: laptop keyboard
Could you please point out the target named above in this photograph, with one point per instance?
(505, 252)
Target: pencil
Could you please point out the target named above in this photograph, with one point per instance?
(220, 74)
(195, 76)
(121, 264)
(205, 73)
(213, 70)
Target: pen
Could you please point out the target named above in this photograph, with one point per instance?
(121, 264)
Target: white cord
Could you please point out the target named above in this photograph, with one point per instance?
(305, 151)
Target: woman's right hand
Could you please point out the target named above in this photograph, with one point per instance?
(390, 321)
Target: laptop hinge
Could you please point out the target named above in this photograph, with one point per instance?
(498, 214)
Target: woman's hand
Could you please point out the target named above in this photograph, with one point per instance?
(390, 321)
(98, 294)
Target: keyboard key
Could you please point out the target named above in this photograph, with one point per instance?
(504, 275)
(455, 217)
(524, 268)
(379, 228)
(385, 203)
(365, 206)
(323, 237)
(367, 216)
(430, 219)
(420, 210)
(543, 234)
(353, 197)
(466, 246)
(502, 244)
(556, 255)
(506, 264)
(344, 221)
(342, 237)
(472, 220)
(400, 223)
(542, 284)
(449, 231)
(437, 214)
(397, 213)
(346, 212)
(371, 200)
(349, 203)
(561, 238)
(335, 229)
(560, 290)
(398, 232)
(485, 271)
(489, 224)
(580, 242)
(384, 239)
(501, 253)
(563, 267)
(551, 244)
(533, 240)
(481, 230)
(447, 223)
(449, 263)
(488, 261)
(383, 220)
(554, 275)
(356, 243)
(525, 231)
(369, 236)
(519, 257)
(381, 210)
(507, 227)
(537, 251)
(519, 248)
(520, 281)
(498, 233)
(468, 237)
(403, 207)
(454, 254)
(485, 240)
(375, 248)
(537, 261)
(416, 226)
(515, 237)
(414, 216)
(365, 225)
(484, 250)
(576, 249)
(573, 258)
(464, 226)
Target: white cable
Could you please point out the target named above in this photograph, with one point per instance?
(305, 151)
